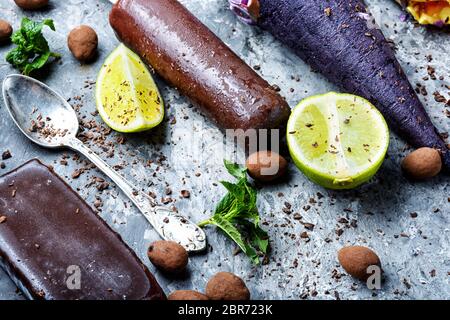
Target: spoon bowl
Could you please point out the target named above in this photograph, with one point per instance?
(41, 114)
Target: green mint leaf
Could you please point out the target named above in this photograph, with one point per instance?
(235, 170)
(32, 51)
(237, 191)
(231, 231)
(237, 215)
(224, 205)
(16, 57)
(33, 28)
(37, 63)
(18, 38)
(49, 23)
(252, 254)
(259, 238)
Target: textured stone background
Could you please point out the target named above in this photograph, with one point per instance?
(415, 252)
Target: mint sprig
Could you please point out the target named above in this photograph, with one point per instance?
(237, 215)
(32, 51)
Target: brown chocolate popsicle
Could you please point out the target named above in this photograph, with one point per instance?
(55, 247)
(193, 59)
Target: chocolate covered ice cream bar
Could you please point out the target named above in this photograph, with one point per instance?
(193, 59)
(54, 246)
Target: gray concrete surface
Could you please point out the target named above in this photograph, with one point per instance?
(415, 252)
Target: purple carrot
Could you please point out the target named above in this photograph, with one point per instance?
(336, 38)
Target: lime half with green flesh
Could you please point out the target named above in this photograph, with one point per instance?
(128, 99)
(337, 140)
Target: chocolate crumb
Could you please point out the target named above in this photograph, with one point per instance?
(6, 155)
(185, 193)
(77, 173)
(308, 226)
(98, 203)
(276, 88)
(166, 200)
(297, 216)
(304, 235)
(102, 186)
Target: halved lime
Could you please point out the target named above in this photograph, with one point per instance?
(128, 99)
(337, 140)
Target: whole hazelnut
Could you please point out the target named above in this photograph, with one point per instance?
(266, 165)
(5, 31)
(227, 286)
(83, 42)
(424, 163)
(31, 4)
(168, 256)
(357, 259)
(187, 295)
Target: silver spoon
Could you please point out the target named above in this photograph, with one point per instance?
(48, 120)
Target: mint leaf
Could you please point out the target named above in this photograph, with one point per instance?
(258, 237)
(37, 63)
(32, 51)
(225, 205)
(237, 215)
(231, 231)
(235, 170)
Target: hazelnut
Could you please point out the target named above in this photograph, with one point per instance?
(227, 286)
(266, 166)
(187, 295)
(168, 256)
(83, 42)
(356, 260)
(5, 31)
(31, 4)
(424, 163)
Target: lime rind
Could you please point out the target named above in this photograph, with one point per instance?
(347, 173)
(136, 76)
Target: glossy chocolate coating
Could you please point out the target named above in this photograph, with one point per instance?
(190, 57)
(49, 228)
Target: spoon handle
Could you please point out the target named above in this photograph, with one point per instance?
(169, 225)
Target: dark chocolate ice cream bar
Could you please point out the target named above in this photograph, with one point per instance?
(194, 60)
(54, 246)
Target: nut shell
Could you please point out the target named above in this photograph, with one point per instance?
(356, 259)
(83, 43)
(184, 295)
(31, 4)
(423, 163)
(227, 286)
(5, 31)
(168, 256)
(266, 165)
